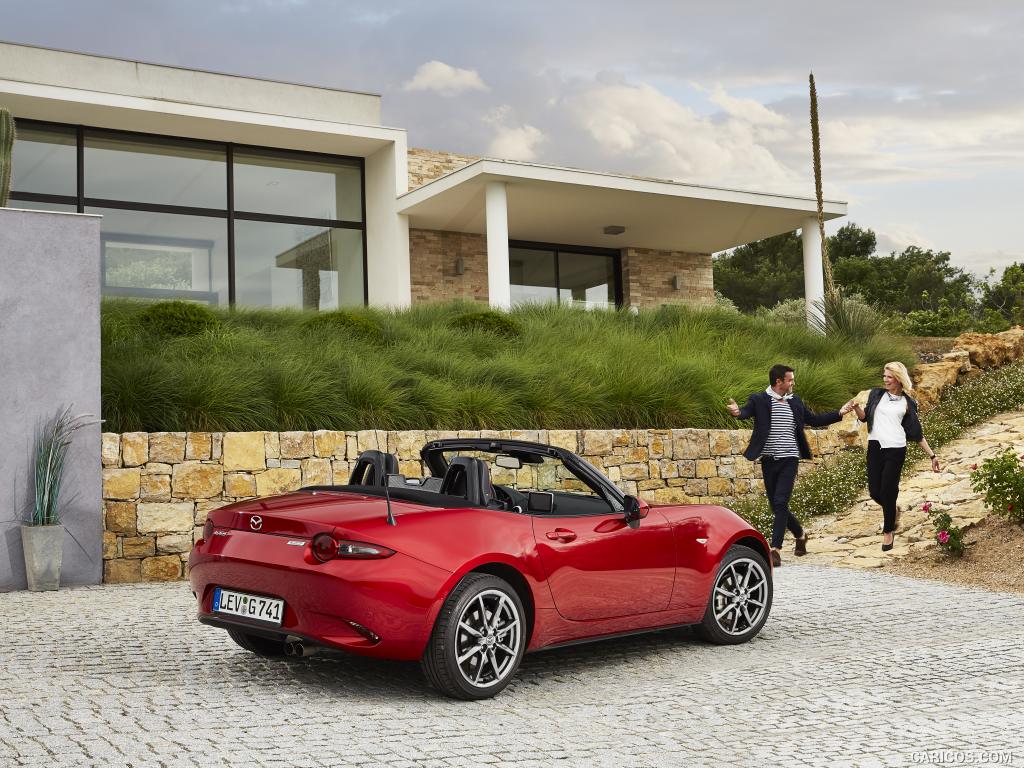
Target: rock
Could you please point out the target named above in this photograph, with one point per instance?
(931, 379)
(193, 480)
(165, 517)
(244, 451)
(597, 442)
(119, 517)
(706, 468)
(272, 445)
(109, 545)
(296, 445)
(122, 571)
(634, 472)
(988, 350)
(134, 448)
(168, 447)
(275, 481)
(174, 543)
(138, 546)
(720, 486)
(329, 443)
(316, 471)
(155, 488)
(110, 449)
(690, 444)
(239, 485)
(563, 438)
(374, 439)
(960, 356)
(161, 568)
(121, 483)
(199, 446)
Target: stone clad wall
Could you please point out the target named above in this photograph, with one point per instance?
(647, 278)
(425, 165)
(158, 487)
(433, 257)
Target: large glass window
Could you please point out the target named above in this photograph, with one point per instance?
(557, 275)
(45, 160)
(164, 255)
(155, 170)
(204, 221)
(284, 184)
(298, 265)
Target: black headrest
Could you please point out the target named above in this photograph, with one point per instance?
(371, 468)
(470, 479)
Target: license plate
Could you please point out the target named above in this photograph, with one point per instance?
(268, 609)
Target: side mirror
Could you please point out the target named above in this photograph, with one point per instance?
(542, 502)
(634, 511)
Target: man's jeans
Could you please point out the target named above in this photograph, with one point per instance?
(779, 476)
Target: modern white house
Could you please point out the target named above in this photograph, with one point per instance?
(236, 190)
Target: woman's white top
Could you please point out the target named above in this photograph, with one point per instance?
(887, 426)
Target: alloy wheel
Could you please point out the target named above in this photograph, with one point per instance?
(488, 639)
(741, 596)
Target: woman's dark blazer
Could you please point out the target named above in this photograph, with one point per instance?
(911, 421)
(759, 405)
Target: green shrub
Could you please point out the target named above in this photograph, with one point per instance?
(949, 537)
(1000, 481)
(488, 321)
(344, 322)
(177, 318)
(945, 321)
(791, 311)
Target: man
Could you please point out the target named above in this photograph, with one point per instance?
(779, 441)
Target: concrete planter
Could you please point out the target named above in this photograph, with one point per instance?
(43, 546)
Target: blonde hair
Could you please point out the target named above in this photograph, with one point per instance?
(899, 370)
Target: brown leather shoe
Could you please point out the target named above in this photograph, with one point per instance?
(776, 558)
(801, 546)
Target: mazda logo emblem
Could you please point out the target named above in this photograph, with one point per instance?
(255, 522)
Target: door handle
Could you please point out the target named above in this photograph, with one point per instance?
(561, 534)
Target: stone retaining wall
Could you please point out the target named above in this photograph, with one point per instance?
(158, 487)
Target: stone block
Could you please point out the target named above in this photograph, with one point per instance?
(109, 545)
(687, 468)
(244, 451)
(203, 508)
(134, 448)
(636, 453)
(408, 445)
(138, 546)
(342, 470)
(272, 445)
(563, 438)
(155, 488)
(239, 485)
(122, 571)
(174, 543)
(119, 517)
(659, 443)
(316, 471)
(194, 480)
(217, 446)
(372, 439)
(622, 437)
(296, 445)
(407, 468)
(647, 485)
(597, 442)
(706, 468)
(634, 471)
(720, 442)
(696, 487)
(275, 481)
(159, 517)
(161, 568)
(157, 468)
(198, 446)
(672, 496)
(720, 486)
(167, 447)
(329, 443)
(690, 444)
(121, 483)
(110, 449)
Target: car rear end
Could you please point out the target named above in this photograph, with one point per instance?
(313, 568)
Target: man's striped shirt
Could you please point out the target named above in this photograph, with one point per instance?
(782, 437)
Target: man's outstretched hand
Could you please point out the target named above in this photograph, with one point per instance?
(733, 408)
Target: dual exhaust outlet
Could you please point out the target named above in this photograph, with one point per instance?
(298, 648)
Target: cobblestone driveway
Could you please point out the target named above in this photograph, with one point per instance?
(853, 668)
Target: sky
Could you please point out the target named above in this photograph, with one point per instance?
(921, 101)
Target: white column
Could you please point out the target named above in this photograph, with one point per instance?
(388, 275)
(499, 289)
(814, 275)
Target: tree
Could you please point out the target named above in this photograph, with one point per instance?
(763, 273)
(1006, 296)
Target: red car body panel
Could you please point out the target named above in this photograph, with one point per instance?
(606, 578)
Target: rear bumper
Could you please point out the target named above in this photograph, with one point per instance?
(341, 604)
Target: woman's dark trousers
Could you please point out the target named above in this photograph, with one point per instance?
(779, 476)
(884, 468)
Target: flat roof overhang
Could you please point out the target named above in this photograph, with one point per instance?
(99, 109)
(561, 205)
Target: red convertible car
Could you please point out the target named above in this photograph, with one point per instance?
(507, 547)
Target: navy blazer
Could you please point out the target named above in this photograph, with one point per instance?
(759, 405)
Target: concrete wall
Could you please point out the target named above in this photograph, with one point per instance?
(49, 357)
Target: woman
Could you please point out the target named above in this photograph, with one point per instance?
(891, 414)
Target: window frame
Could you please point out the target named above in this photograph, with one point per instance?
(557, 248)
(81, 202)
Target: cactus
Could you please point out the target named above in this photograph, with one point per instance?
(6, 150)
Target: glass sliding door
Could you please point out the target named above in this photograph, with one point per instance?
(585, 277)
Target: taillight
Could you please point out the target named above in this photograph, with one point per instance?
(325, 547)
(208, 529)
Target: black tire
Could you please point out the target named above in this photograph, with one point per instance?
(479, 600)
(261, 646)
(727, 618)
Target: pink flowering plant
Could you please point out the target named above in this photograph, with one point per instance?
(949, 537)
(1000, 481)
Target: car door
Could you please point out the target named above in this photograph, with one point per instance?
(600, 568)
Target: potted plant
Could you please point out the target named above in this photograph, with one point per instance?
(42, 537)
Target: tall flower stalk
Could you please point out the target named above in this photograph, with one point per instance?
(52, 442)
(830, 286)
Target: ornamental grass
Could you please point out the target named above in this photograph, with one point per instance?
(422, 368)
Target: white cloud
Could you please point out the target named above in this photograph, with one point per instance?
(516, 142)
(444, 79)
